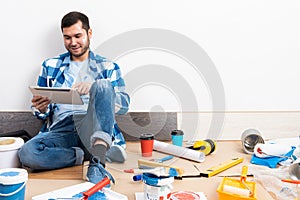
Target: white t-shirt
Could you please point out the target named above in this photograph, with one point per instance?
(76, 72)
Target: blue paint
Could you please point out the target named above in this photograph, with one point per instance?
(12, 191)
(10, 174)
(96, 196)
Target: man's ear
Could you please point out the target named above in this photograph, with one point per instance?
(90, 33)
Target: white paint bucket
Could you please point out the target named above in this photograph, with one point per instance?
(157, 188)
(9, 147)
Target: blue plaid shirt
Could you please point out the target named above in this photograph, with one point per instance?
(52, 75)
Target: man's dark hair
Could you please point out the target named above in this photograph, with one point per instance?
(72, 18)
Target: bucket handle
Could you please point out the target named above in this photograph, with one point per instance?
(14, 192)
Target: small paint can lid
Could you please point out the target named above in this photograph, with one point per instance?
(10, 143)
(151, 179)
(184, 195)
(11, 176)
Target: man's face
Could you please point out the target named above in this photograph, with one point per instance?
(77, 41)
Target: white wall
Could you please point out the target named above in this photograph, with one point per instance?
(253, 44)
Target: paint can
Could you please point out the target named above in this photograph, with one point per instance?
(294, 171)
(186, 195)
(157, 188)
(9, 147)
(12, 183)
(250, 138)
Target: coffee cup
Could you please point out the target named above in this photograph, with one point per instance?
(147, 140)
(177, 137)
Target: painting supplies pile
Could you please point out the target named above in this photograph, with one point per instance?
(235, 189)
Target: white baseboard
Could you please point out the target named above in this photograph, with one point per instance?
(271, 124)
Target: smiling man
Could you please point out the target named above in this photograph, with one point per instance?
(73, 133)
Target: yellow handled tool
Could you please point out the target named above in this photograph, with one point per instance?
(215, 169)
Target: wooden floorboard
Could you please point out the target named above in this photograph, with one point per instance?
(68, 173)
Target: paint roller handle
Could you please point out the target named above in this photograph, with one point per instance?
(244, 173)
(291, 181)
(96, 187)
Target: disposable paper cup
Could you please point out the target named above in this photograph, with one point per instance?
(177, 137)
(147, 140)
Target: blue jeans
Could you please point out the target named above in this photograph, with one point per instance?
(64, 144)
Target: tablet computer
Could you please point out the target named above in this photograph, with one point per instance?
(58, 95)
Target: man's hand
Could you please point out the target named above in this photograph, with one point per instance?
(40, 103)
(82, 87)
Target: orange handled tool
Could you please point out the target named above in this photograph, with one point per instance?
(96, 188)
(291, 181)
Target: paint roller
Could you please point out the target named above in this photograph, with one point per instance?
(242, 191)
(272, 150)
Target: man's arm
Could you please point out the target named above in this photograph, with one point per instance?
(41, 105)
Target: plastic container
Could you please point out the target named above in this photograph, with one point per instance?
(9, 147)
(157, 188)
(13, 183)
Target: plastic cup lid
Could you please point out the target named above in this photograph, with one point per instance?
(147, 136)
(10, 143)
(177, 132)
(10, 176)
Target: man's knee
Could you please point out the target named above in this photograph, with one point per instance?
(26, 154)
(102, 85)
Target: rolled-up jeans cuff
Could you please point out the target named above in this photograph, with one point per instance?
(101, 136)
(79, 155)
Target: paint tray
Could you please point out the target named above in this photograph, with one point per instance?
(236, 185)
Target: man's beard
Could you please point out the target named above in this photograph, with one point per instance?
(80, 54)
(86, 47)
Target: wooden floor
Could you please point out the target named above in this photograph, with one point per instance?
(43, 182)
(69, 173)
